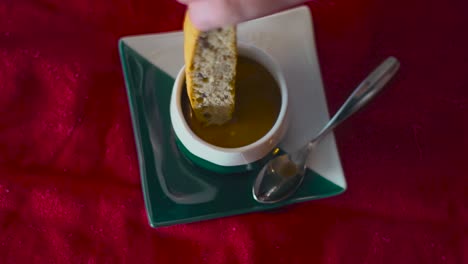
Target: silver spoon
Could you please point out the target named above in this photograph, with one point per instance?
(283, 175)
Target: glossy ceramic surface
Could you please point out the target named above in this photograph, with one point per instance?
(175, 190)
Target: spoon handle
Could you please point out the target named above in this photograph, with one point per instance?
(362, 95)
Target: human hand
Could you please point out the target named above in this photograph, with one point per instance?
(209, 14)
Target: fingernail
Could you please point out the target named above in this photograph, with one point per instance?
(203, 15)
(202, 23)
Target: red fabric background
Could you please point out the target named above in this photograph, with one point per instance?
(69, 182)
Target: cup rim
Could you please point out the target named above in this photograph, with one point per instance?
(273, 68)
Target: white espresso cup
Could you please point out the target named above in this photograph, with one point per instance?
(230, 160)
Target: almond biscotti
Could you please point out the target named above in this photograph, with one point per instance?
(210, 61)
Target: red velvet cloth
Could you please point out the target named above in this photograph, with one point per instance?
(69, 180)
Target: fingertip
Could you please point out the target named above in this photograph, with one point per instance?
(199, 18)
(207, 15)
(186, 2)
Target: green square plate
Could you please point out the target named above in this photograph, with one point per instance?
(177, 192)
